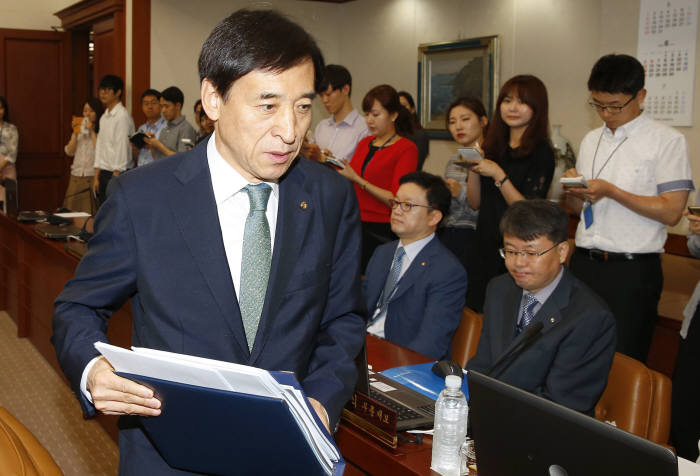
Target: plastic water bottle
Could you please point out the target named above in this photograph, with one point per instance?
(451, 412)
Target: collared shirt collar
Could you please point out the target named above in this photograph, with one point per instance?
(225, 180)
(414, 248)
(177, 121)
(115, 109)
(627, 128)
(349, 119)
(543, 294)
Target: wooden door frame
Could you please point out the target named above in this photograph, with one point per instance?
(78, 15)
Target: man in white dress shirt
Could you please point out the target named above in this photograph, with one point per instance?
(112, 150)
(339, 134)
(638, 178)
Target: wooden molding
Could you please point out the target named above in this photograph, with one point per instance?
(86, 11)
(140, 56)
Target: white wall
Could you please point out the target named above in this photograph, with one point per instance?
(31, 14)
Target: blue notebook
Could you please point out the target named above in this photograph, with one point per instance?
(228, 433)
(421, 378)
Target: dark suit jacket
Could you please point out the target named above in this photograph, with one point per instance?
(570, 362)
(158, 243)
(426, 308)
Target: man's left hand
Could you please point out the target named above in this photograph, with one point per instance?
(597, 189)
(321, 412)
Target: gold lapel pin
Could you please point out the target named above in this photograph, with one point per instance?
(552, 320)
(303, 205)
(422, 263)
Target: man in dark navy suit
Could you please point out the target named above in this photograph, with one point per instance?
(414, 287)
(568, 361)
(233, 251)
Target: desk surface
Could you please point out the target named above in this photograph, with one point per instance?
(358, 451)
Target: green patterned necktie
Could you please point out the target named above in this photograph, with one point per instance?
(255, 262)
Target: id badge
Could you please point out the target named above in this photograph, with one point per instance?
(588, 214)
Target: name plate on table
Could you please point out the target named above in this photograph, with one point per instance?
(372, 418)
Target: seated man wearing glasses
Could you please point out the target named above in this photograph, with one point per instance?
(566, 331)
(414, 287)
(638, 178)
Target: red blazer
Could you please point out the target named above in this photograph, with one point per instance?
(384, 170)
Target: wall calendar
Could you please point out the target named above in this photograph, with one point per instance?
(666, 48)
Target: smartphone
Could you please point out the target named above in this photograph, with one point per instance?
(470, 153)
(695, 210)
(335, 162)
(571, 182)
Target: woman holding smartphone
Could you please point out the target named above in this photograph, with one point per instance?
(378, 163)
(467, 121)
(82, 148)
(518, 164)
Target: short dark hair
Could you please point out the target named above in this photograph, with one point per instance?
(198, 102)
(336, 77)
(249, 40)
(174, 95)
(528, 220)
(150, 92)
(617, 74)
(409, 99)
(6, 114)
(113, 82)
(436, 192)
(389, 99)
(97, 106)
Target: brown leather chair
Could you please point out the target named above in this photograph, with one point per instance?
(21, 453)
(466, 338)
(637, 399)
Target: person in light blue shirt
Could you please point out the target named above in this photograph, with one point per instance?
(150, 104)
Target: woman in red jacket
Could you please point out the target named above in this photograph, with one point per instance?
(378, 163)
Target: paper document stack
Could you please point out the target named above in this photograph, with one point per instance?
(207, 379)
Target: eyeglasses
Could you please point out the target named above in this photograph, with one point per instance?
(610, 109)
(527, 254)
(406, 206)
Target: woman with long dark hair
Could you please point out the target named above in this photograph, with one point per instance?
(467, 121)
(9, 140)
(82, 148)
(518, 164)
(378, 163)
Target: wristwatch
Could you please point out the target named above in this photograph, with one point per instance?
(499, 183)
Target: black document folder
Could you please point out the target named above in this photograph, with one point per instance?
(220, 432)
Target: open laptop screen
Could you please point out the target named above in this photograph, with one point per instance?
(517, 433)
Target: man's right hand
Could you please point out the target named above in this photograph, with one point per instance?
(114, 395)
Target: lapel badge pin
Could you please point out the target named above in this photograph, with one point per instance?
(552, 320)
(422, 263)
(303, 205)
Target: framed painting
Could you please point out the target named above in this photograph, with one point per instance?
(449, 70)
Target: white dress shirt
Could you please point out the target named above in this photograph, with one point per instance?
(112, 150)
(411, 250)
(644, 157)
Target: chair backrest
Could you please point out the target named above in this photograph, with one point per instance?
(20, 452)
(660, 423)
(466, 338)
(637, 399)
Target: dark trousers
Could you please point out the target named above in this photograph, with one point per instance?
(104, 178)
(685, 402)
(373, 235)
(632, 290)
(460, 241)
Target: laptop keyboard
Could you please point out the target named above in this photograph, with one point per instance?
(403, 413)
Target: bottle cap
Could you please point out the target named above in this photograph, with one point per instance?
(453, 381)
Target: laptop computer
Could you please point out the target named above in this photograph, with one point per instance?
(518, 433)
(414, 410)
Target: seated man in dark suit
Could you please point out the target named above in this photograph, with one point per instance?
(414, 287)
(569, 359)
